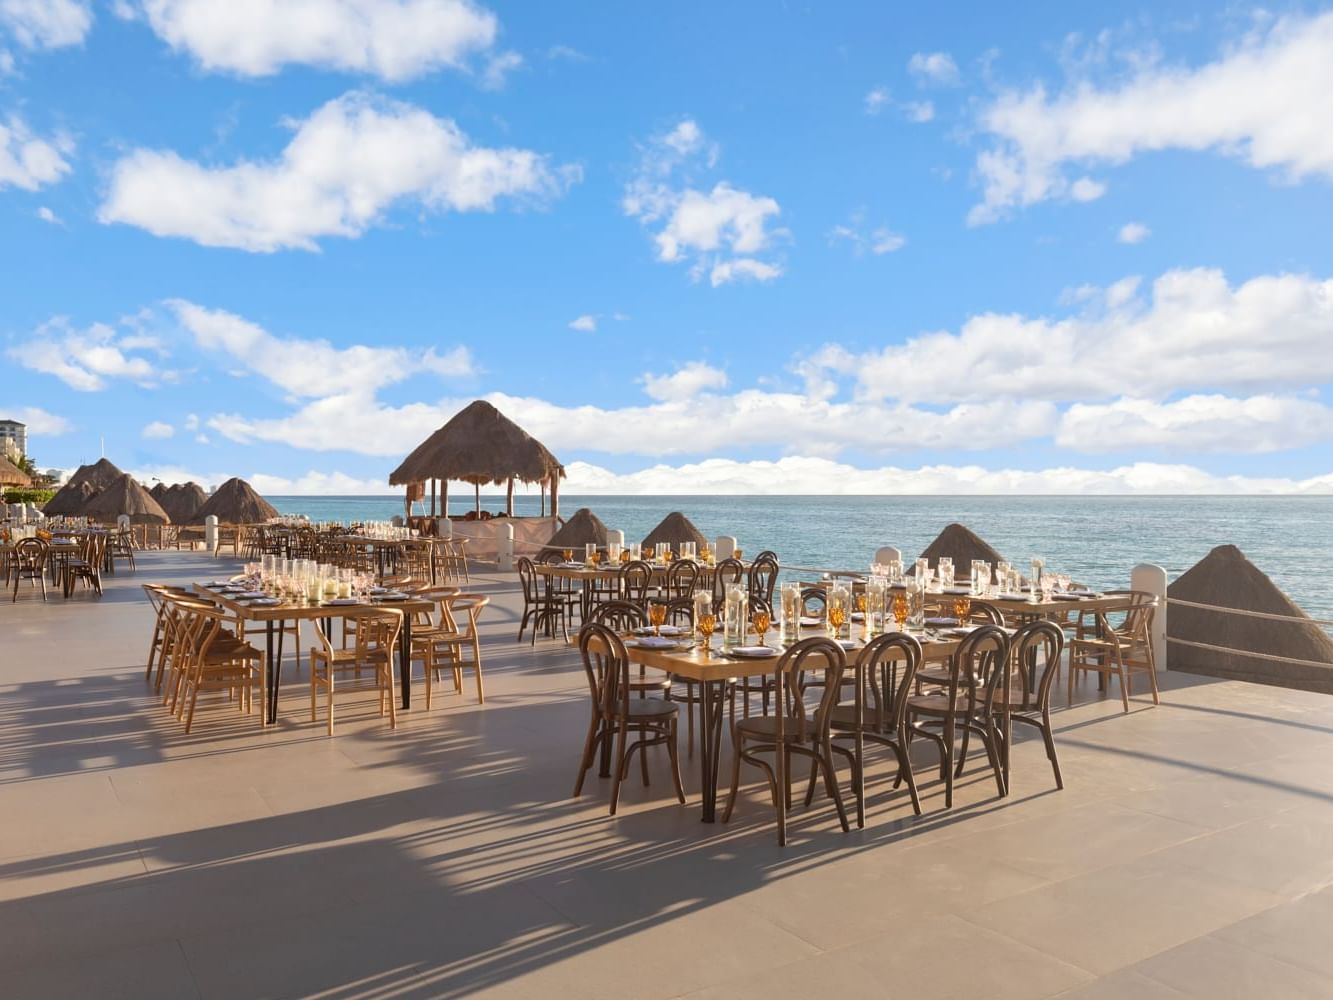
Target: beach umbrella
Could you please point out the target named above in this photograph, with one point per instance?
(480, 445)
(235, 502)
(583, 528)
(1225, 578)
(125, 496)
(674, 529)
(159, 491)
(87, 482)
(962, 545)
(182, 501)
(12, 475)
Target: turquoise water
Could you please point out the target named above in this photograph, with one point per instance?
(1094, 539)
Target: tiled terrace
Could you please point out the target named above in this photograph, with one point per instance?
(1191, 853)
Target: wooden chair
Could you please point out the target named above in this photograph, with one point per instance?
(1119, 651)
(87, 566)
(214, 661)
(617, 718)
(636, 583)
(802, 734)
(158, 595)
(681, 580)
(120, 545)
(376, 638)
(725, 573)
(966, 705)
(1036, 644)
(980, 613)
(456, 635)
(888, 666)
(29, 563)
(543, 604)
(762, 578)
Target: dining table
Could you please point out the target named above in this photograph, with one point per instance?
(271, 613)
(588, 576)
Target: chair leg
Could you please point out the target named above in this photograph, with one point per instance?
(825, 764)
(589, 749)
(476, 664)
(735, 781)
(673, 751)
(905, 774)
(1049, 739)
(618, 769)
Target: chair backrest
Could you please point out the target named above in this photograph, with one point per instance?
(1038, 642)
(790, 667)
(680, 611)
(619, 615)
(527, 578)
(814, 602)
(1142, 606)
(888, 667)
(606, 665)
(681, 578)
(725, 573)
(763, 576)
(985, 614)
(636, 578)
(31, 553)
(976, 668)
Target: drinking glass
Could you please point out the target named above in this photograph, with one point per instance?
(962, 607)
(635, 551)
(760, 622)
(657, 617)
(568, 554)
(707, 625)
(945, 566)
(901, 609)
(790, 622)
(590, 552)
(613, 552)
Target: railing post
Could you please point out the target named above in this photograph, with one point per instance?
(444, 527)
(724, 547)
(506, 541)
(888, 554)
(1152, 579)
(615, 537)
(211, 534)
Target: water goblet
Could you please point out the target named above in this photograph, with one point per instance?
(901, 609)
(707, 625)
(657, 617)
(760, 621)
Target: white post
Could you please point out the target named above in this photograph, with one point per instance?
(615, 538)
(724, 547)
(888, 554)
(123, 521)
(211, 534)
(506, 541)
(444, 527)
(1152, 579)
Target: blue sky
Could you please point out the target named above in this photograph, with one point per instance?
(711, 247)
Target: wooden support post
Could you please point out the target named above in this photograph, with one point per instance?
(432, 497)
(444, 498)
(555, 496)
(509, 497)
(477, 488)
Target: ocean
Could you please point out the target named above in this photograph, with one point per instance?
(1096, 540)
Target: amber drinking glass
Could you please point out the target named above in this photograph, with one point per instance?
(657, 617)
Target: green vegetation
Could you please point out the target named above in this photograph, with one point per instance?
(28, 495)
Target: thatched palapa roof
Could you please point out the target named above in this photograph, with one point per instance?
(236, 502)
(86, 483)
(12, 475)
(479, 445)
(182, 502)
(962, 545)
(581, 529)
(1225, 578)
(159, 491)
(674, 529)
(125, 496)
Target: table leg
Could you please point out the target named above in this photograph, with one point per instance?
(268, 702)
(860, 745)
(405, 661)
(712, 699)
(780, 755)
(1006, 723)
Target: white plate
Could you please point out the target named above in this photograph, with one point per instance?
(964, 630)
(656, 642)
(753, 652)
(265, 602)
(666, 630)
(341, 602)
(848, 643)
(957, 591)
(808, 622)
(391, 597)
(941, 622)
(1013, 597)
(858, 616)
(249, 595)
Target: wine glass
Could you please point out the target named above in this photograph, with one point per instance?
(707, 625)
(657, 617)
(901, 608)
(760, 621)
(568, 554)
(962, 606)
(837, 614)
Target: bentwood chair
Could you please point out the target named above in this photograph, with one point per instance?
(1036, 645)
(120, 545)
(29, 563)
(762, 577)
(1119, 650)
(543, 605)
(617, 718)
(376, 637)
(87, 566)
(980, 613)
(888, 666)
(803, 733)
(636, 582)
(681, 579)
(965, 705)
(725, 573)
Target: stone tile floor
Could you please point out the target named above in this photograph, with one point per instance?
(1190, 855)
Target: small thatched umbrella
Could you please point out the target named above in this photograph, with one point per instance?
(183, 501)
(583, 528)
(962, 545)
(674, 529)
(70, 499)
(236, 502)
(1225, 578)
(481, 445)
(159, 491)
(12, 475)
(125, 496)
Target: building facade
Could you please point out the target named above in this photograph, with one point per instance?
(13, 437)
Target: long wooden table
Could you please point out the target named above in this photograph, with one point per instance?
(270, 615)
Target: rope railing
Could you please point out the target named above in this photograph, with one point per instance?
(1274, 657)
(1247, 614)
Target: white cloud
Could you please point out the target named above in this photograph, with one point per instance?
(566, 52)
(879, 240)
(47, 24)
(498, 68)
(1133, 232)
(876, 100)
(46, 215)
(1264, 101)
(1196, 424)
(313, 367)
(722, 232)
(820, 476)
(1086, 189)
(41, 423)
(192, 422)
(1193, 331)
(88, 360)
(346, 165)
(395, 40)
(936, 68)
(587, 323)
(158, 430)
(686, 382)
(919, 111)
(28, 161)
